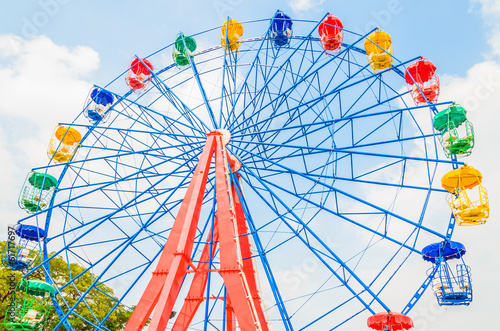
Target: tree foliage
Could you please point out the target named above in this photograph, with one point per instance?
(97, 302)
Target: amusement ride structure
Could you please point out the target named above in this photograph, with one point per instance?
(283, 181)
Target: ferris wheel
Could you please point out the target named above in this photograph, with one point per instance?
(284, 179)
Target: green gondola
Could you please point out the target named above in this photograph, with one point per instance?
(183, 48)
(30, 306)
(457, 133)
(37, 192)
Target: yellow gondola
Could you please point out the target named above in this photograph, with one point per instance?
(378, 46)
(233, 36)
(468, 199)
(63, 144)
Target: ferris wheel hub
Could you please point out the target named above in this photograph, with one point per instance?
(225, 134)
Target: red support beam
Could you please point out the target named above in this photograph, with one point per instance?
(230, 322)
(198, 285)
(172, 265)
(231, 269)
(243, 302)
(246, 255)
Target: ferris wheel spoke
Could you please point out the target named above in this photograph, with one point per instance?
(361, 114)
(156, 152)
(307, 128)
(263, 258)
(324, 262)
(310, 72)
(300, 151)
(152, 215)
(133, 145)
(201, 89)
(127, 105)
(277, 71)
(313, 84)
(223, 91)
(101, 186)
(86, 292)
(228, 85)
(273, 173)
(151, 219)
(345, 216)
(179, 125)
(225, 68)
(311, 324)
(350, 196)
(342, 153)
(130, 203)
(133, 283)
(253, 94)
(182, 108)
(363, 93)
(128, 242)
(163, 130)
(339, 88)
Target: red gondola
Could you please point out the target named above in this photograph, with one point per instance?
(422, 81)
(139, 74)
(389, 321)
(331, 34)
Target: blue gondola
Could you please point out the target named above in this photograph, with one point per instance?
(281, 29)
(21, 250)
(451, 286)
(97, 104)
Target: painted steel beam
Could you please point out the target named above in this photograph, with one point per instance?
(165, 284)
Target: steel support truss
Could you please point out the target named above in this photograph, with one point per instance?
(243, 302)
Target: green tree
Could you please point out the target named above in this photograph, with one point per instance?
(99, 299)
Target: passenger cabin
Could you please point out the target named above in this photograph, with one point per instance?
(467, 198)
(37, 192)
(183, 48)
(230, 35)
(378, 47)
(63, 144)
(139, 75)
(97, 105)
(22, 252)
(389, 321)
(281, 29)
(331, 34)
(30, 306)
(422, 82)
(451, 286)
(457, 133)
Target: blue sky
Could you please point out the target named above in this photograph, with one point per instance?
(51, 51)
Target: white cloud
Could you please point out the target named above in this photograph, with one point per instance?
(488, 7)
(42, 84)
(490, 11)
(40, 77)
(303, 5)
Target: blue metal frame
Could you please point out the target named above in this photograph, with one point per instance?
(320, 137)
